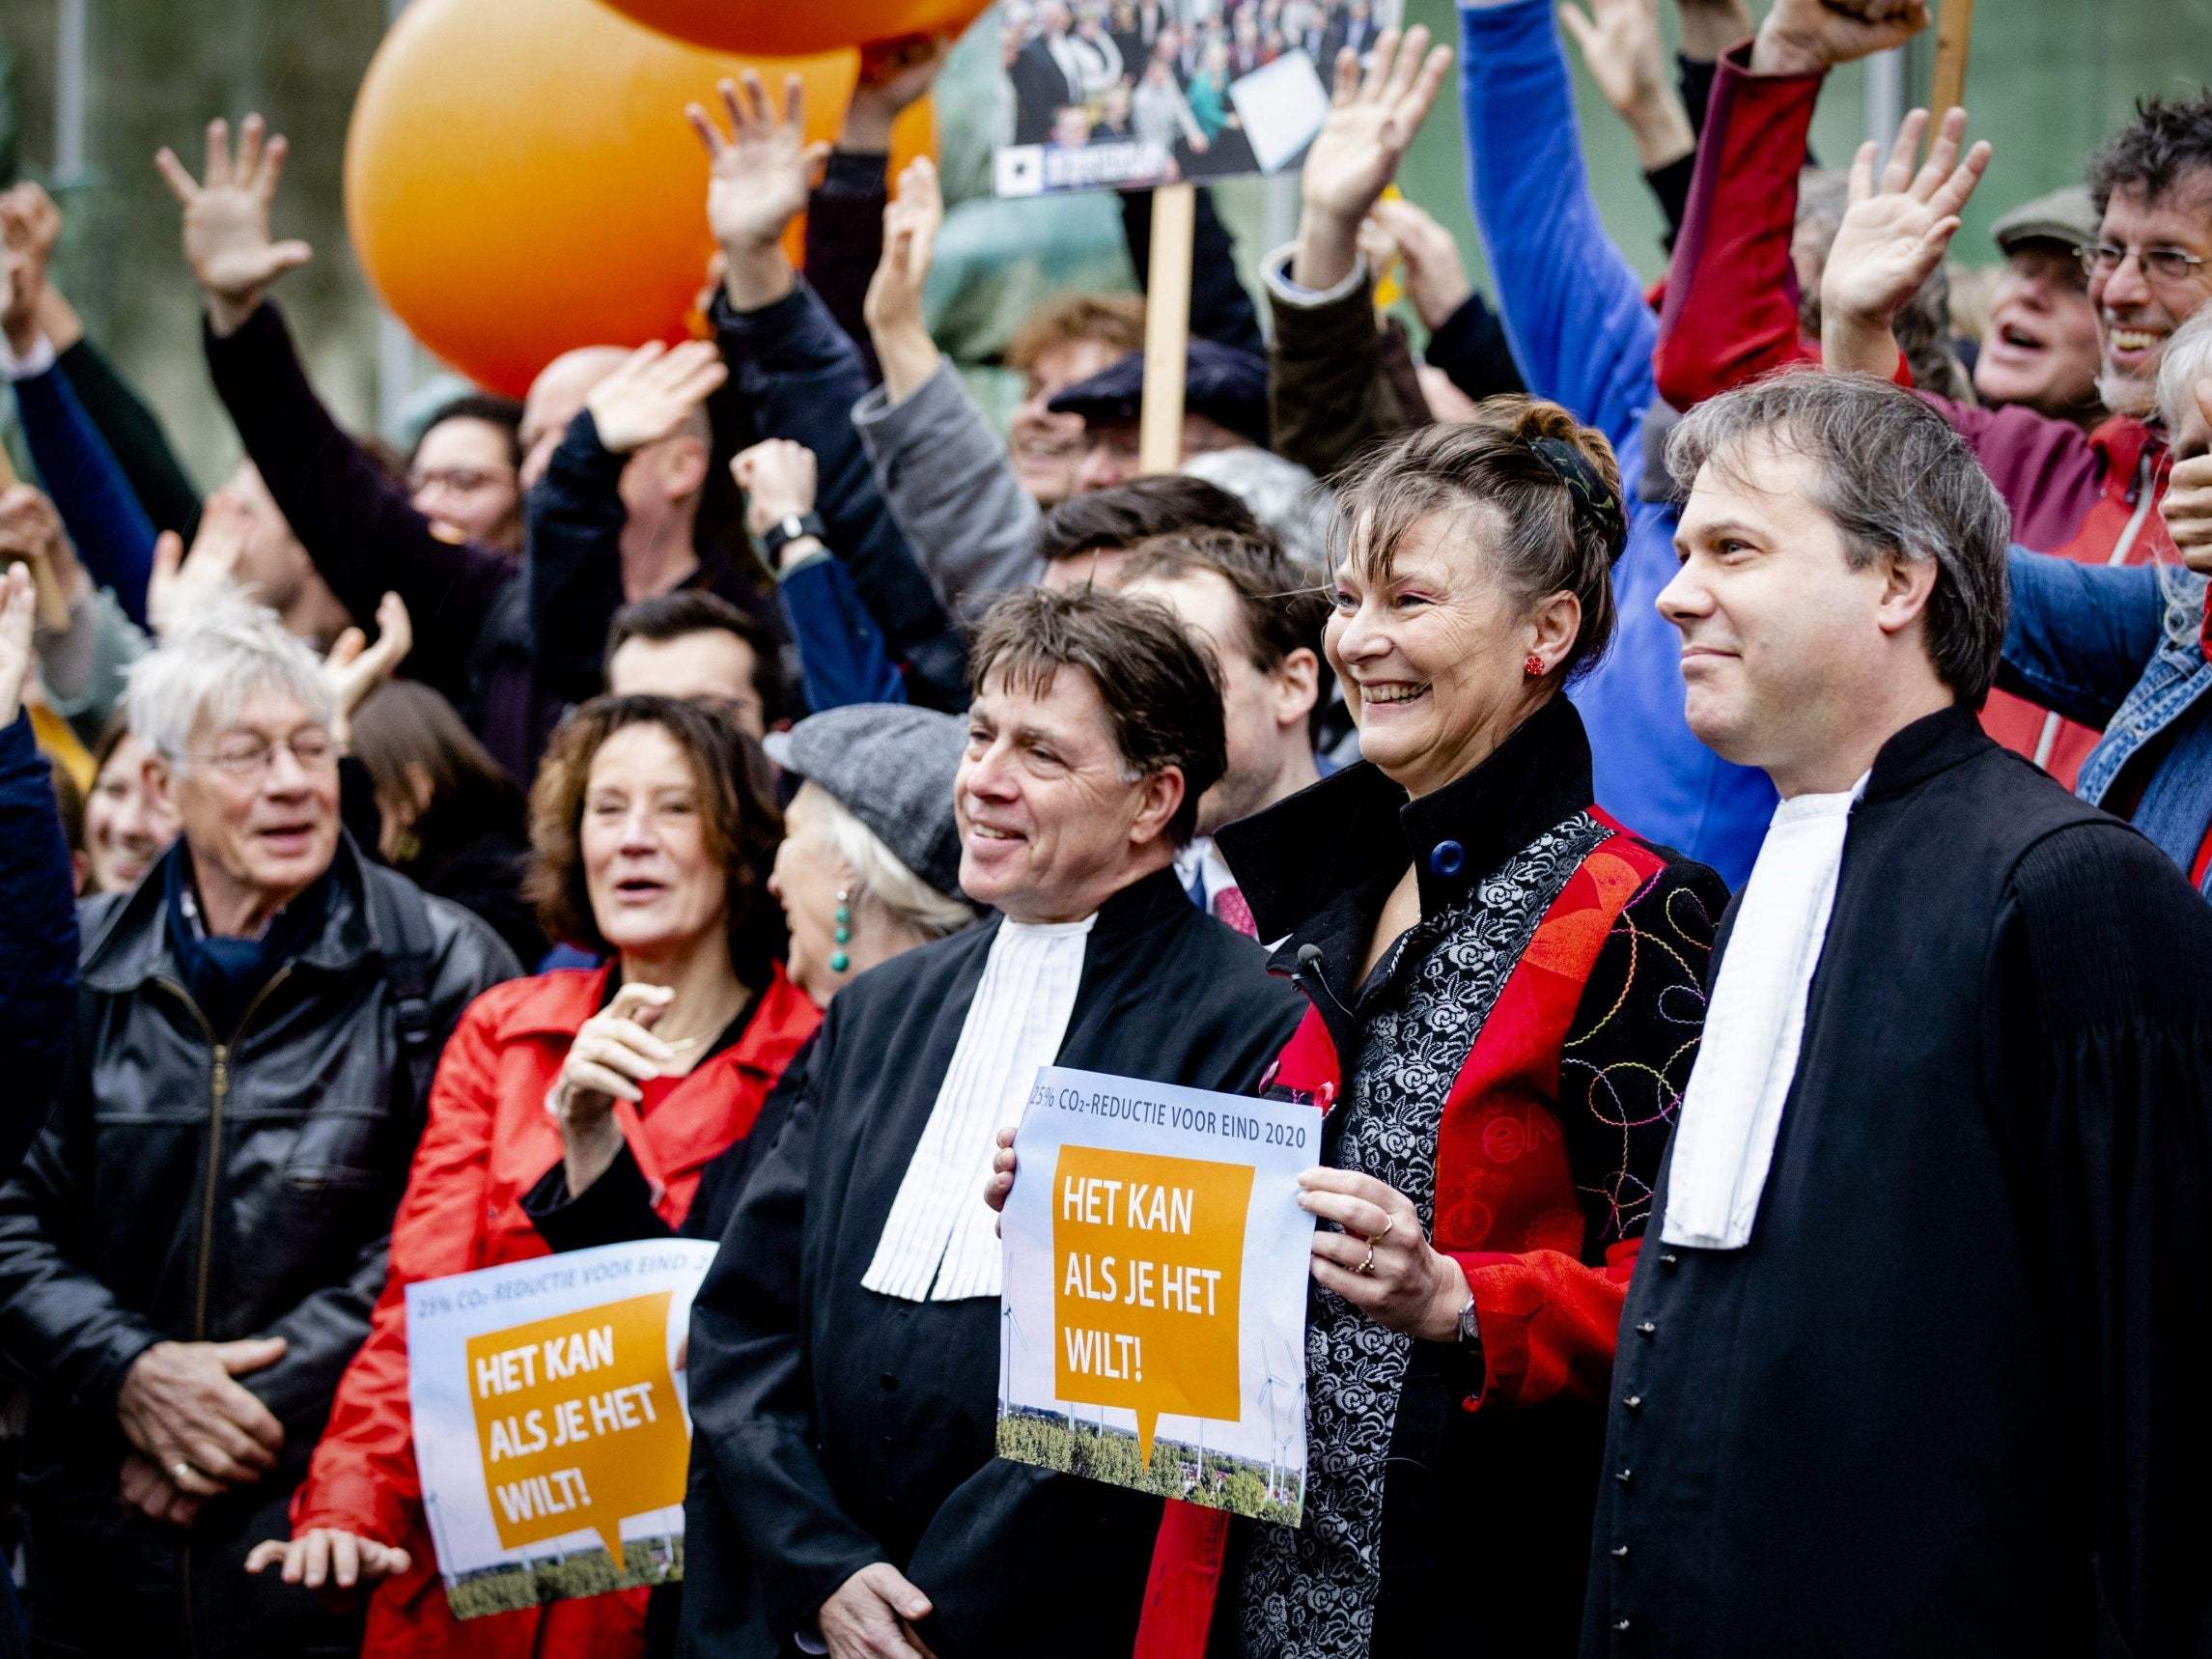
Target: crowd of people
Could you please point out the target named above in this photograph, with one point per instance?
(1708, 790)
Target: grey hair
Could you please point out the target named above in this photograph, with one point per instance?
(2186, 360)
(1281, 494)
(205, 672)
(1896, 480)
(879, 875)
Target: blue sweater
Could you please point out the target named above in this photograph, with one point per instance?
(106, 524)
(1584, 335)
(38, 942)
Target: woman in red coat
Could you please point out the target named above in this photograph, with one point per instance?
(1506, 992)
(651, 844)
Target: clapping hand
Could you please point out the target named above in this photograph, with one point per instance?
(654, 392)
(1893, 238)
(227, 240)
(1371, 121)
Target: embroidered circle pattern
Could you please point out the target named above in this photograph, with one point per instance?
(1309, 1593)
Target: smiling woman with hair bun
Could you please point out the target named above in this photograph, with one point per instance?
(1506, 990)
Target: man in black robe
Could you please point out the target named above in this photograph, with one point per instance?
(844, 1359)
(1908, 1368)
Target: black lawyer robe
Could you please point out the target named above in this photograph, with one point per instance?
(834, 1426)
(1946, 1399)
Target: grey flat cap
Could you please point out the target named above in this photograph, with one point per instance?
(2066, 215)
(891, 767)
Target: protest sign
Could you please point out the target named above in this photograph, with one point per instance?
(1152, 1321)
(551, 1426)
(1163, 96)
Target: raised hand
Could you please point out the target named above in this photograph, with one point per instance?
(758, 178)
(1621, 47)
(181, 582)
(893, 76)
(778, 478)
(227, 240)
(1371, 121)
(1811, 37)
(18, 599)
(1894, 235)
(1436, 278)
(353, 667)
(654, 392)
(31, 530)
(893, 307)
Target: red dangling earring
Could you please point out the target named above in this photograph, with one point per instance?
(1533, 667)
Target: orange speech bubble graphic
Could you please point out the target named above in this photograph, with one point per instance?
(578, 1421)
(1147, 1270)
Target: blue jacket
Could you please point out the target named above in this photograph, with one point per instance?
(1584, 335)
(2092, 643)
(38, 942)
(106, 524)
(801, 375)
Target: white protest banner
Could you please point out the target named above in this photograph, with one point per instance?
(1153, 1323)
(551, 1425)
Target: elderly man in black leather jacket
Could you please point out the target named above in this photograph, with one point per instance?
(190, 1252)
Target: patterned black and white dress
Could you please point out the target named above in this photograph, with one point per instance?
(1309, 1593)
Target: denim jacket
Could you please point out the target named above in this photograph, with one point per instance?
(2091, 642)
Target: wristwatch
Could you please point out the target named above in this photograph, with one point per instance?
(791, 527)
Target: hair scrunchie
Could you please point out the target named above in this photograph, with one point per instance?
(1591, 494)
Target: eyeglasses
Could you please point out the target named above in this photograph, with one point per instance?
(246, 758)
(2160, 265)
(460, 480)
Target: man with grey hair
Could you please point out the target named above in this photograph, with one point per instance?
(190, 1253)
(1904, 1368)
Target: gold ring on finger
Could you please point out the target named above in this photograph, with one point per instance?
(1367, 1266)
(1388, 1222)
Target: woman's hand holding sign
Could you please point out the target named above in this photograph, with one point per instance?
(612, 1055)
(1381, 1262)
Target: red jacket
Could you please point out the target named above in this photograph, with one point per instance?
(1731, 316)
(488, 1141)
(1506, 1210)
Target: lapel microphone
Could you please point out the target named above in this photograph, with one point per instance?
(1309, 963)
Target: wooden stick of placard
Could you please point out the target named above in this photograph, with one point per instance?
(1954, 33)
(53, 603)
(1166, 328)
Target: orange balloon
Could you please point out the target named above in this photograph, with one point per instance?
(783, 29)
(521, 180)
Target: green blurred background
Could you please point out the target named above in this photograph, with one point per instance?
(2048, 79)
